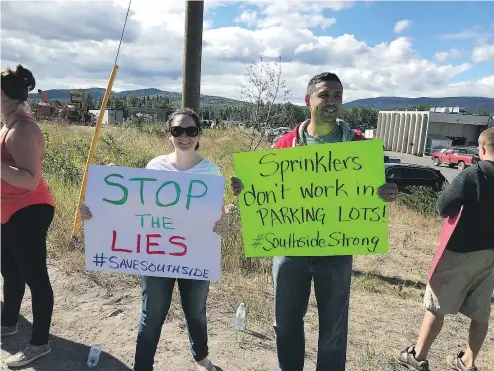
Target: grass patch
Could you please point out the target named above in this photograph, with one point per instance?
(420, 199)
(65, 157)
(386, 288)
(375, 284)
(412, 232)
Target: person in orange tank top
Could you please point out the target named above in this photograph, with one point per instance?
(27, 211)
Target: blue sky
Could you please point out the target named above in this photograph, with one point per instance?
(436, 25)
(442, 49)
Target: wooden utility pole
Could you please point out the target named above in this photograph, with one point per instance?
(191, 79)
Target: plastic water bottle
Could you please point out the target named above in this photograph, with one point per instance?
(240, 317)
(93, 358)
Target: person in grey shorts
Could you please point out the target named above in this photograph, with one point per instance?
(463, 281)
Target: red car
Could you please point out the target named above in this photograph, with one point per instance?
(454, 156)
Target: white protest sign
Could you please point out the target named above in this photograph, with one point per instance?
(153, 222)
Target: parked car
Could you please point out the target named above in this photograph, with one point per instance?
(277, 134)
(390, 160)
(405, 175)
(455, 156)
(474, 150)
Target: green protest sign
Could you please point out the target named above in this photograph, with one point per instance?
(316, 200)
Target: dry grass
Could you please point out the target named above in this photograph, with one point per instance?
(128, 147)
(386, 288)
(413, 239)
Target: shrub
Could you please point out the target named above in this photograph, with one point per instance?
(147, 127)
(65, 157)
(66, 151)
(420, 199)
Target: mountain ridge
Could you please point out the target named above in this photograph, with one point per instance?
(390, 103)
(61, 94)
(381, 103)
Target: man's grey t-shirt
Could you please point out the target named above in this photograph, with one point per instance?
(335, 136)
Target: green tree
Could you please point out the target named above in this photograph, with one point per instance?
(117, 102)
(91, 102)
(132, 101)
(360, 118)
(481, 111)
(33, 103)
(414, 107)
(265, 88)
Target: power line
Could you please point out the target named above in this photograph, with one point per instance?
(123, 30)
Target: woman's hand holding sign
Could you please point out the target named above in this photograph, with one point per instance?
(85, 212)
(221, 227)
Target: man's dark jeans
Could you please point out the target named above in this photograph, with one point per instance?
(156, 299)
(292, 280)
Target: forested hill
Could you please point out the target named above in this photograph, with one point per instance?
(379, 103)
(98, 93)
(361, 114)
(392, 103)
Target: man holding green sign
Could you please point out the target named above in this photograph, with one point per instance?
(292, 275)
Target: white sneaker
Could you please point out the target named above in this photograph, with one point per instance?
(28, 355)
(206, 365)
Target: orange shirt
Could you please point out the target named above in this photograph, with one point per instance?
(14, 198)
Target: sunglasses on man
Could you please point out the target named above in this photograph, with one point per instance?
(178, 131)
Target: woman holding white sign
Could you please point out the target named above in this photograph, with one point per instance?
(185, 130)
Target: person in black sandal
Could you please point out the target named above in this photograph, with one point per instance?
(463, 281)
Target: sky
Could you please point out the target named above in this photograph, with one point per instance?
(377, 48)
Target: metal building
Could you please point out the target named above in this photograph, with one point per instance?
(111, 116)
(412, 131)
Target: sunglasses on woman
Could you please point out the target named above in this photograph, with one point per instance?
(178, 131)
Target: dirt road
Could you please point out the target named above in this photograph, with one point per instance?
(85, 314)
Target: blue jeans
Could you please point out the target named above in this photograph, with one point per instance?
(156, 299)
(292, 284)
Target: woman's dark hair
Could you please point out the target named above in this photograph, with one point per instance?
(185, 112)
(17, 84)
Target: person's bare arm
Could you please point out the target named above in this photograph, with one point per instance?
(25, 143)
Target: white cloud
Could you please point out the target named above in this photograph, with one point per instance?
(63, 56)
(442, 56)
(402, 25)
(247, 17)
(483, 53)
(479, 88)
(454, 53)
(464, 34)
(479, 35)
(301, 14)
